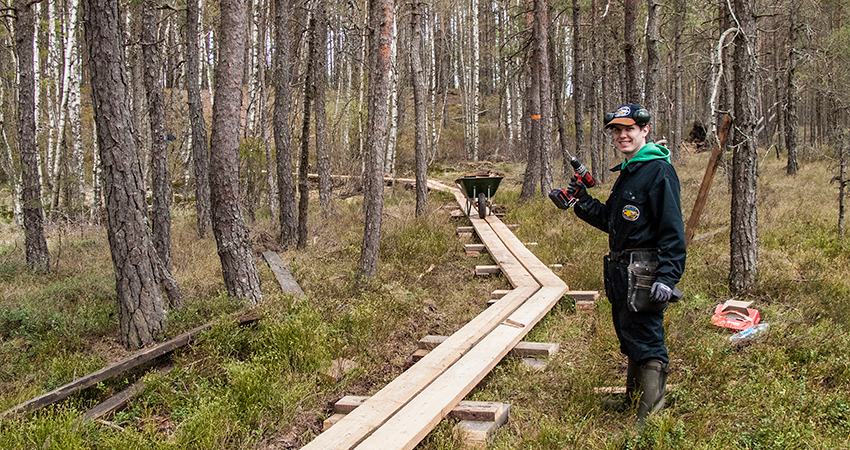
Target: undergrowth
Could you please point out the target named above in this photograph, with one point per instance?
(257, 386)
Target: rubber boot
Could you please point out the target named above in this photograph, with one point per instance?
(622, 402)
(653, 381)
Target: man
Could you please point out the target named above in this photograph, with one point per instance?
(646, 236)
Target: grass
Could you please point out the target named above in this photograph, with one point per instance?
(256, 387)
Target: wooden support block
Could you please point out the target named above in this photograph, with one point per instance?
(619, 389)
(585, 306)
(522, 349)
(590, 296)
(337, 371)
(477, 433)
(332, 420)
(499, 293)
(556, 266)
(530, 244)
(465, 410)
(534, 364)
(487, 270)
(465, 230)
(513, 226)
(452, 207)
(457, 214)
(475, 247)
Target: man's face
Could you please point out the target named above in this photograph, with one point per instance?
(629, 138)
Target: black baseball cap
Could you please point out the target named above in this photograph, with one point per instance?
(627, 115)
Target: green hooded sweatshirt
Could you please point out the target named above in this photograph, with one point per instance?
(648, 152)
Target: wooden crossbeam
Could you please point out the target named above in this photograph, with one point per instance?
(522, 349)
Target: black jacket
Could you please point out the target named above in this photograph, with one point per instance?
(643, 211)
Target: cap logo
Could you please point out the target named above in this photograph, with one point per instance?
(624, 111)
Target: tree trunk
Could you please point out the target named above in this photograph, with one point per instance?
(578, 89)
(320, 80)
(139, 274)
(38, 257)
(532, 116)
(744, 234)
(231, 234)
(790, 109)
(474, 87)
(303, 183)
(382, 16)
(200, 150)
(676, 134)
(417, 42)
(629, 38)
(541, 18)
(282, 133)
(652, 68)
(160, 179)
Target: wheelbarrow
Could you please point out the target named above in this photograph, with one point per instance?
(479, 188)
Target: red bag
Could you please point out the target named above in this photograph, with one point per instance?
(735, 316)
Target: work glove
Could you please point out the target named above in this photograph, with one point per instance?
(576, 189)
(661, 292)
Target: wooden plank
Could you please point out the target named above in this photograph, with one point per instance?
(420, 415)
(281, 272)
(465, 410)
(119, 400)
(465, 230)
(585, 306)
(522, 349)
(475, 247)
(106, 373)
(542, 274)
(707, 179)
(382, 405)
(516, 273)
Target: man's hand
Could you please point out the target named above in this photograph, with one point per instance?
(576, 189)
(661, 292)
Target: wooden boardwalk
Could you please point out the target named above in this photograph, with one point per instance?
(401, 414)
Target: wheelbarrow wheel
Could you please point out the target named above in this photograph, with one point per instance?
(482, 205)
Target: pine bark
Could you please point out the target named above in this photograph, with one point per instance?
(160, 178)
(790, 109)
(532, 116)
(282, 133)
(629, 49)
(320, 80)
(744, 228)
(200, 149)
(37, 255)
(417, 42)
(653, 68)
(231, 234)
(578, 89)
(382, 16)
(140, 276)
(304, 158)
(541, 19)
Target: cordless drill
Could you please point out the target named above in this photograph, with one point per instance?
(560, 197)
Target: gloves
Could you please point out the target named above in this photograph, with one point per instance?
(576, 189)
(661, 292)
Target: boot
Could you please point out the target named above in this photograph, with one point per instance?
(653, 381)
(622, 402)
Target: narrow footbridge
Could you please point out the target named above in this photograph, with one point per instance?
(401, 414)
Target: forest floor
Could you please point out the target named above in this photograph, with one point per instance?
(257, 387)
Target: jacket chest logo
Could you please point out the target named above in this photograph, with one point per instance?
(631, 213)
